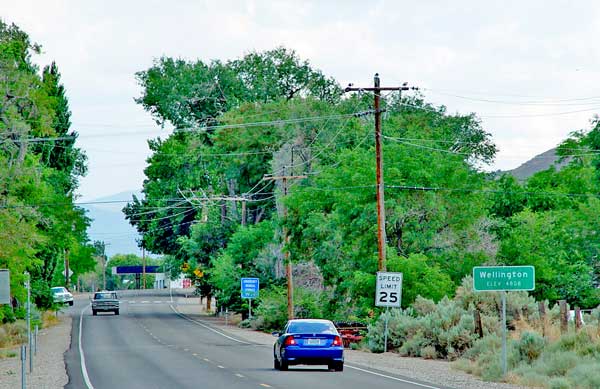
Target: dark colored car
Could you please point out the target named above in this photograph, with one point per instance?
(105, 302)
(308, 342)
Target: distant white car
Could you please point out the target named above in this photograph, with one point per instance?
(61, 295)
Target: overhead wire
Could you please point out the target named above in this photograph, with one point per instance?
(592, 100)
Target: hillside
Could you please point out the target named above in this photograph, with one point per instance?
(109, 224)
(536, 164)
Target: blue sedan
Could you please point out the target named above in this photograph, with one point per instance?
(308, 342)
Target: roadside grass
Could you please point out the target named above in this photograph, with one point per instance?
(10, 353)
(538, 353)
(14, 334)
(571, 360)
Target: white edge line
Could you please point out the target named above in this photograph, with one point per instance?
(393, 378)
(207, 327)
(84, 372)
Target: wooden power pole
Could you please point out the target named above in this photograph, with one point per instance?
(381, 237)
(288, 263)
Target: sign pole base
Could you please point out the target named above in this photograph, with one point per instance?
(385, 331)
(504, 366)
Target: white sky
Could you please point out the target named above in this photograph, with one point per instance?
(511, 51)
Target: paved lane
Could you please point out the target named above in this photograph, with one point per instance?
(151, 346)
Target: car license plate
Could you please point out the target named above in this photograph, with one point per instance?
(313, 342)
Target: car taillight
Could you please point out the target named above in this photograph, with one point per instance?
(290, 341)
(337, 341)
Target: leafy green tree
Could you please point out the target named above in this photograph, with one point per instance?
(508, 197)
(37, 181)
(186, 171)
(194, 93)
(247, 254)
(332, 216)
(563, 246)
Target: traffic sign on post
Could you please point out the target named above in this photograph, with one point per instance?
(4, 286)
(250, 288)
(496, 278)
(388, 292)
(502, 279)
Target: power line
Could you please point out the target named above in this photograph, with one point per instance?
(594, 100)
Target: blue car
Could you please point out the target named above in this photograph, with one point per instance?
(308, 342)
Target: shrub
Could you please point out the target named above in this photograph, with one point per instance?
(557, 363)
(412, 347)
(272, 310)
(493, 370)
(423, 306)
(271, 314)
(401, 327)
(530, 377)
(530, 346)
(428, 352)
(559, 383)
(586, 376)
(13, 333)
(6, 314)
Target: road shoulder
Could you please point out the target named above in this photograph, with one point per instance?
(48, 364)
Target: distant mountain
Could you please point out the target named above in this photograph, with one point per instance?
(109, 224)
(536, 164)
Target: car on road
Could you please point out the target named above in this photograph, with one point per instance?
(61, 295)
(105, 301)
(308, 342)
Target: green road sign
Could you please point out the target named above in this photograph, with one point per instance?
(491, 278)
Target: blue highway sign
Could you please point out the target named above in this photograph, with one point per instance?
(250, 288)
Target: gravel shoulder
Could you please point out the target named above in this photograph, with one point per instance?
(48, 364)
(432, 371)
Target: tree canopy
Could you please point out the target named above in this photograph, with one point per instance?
(39, 224)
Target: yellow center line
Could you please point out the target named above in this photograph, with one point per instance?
(265, 385)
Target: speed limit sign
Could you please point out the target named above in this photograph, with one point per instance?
(388, 292)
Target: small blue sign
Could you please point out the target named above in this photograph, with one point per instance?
(250, 288)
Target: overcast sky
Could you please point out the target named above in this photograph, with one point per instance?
(472, 56)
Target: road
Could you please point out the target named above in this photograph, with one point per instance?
(151, 345)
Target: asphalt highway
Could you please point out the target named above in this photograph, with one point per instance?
(151, 345)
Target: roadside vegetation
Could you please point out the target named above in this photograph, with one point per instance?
(14, 333)
(40, 168)
(216, 208)
(219, 212)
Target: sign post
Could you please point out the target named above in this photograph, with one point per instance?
(388, 293)
(250, 288)
(501, 279)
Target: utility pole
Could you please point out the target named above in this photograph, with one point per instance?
(144, 265)
(243, 211)
(104, 263)
(288, 263)
(381, 237)
(28, 285)
(67, 268)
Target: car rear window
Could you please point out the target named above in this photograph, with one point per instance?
(101, 296)
(311, 327)
(58, 290)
